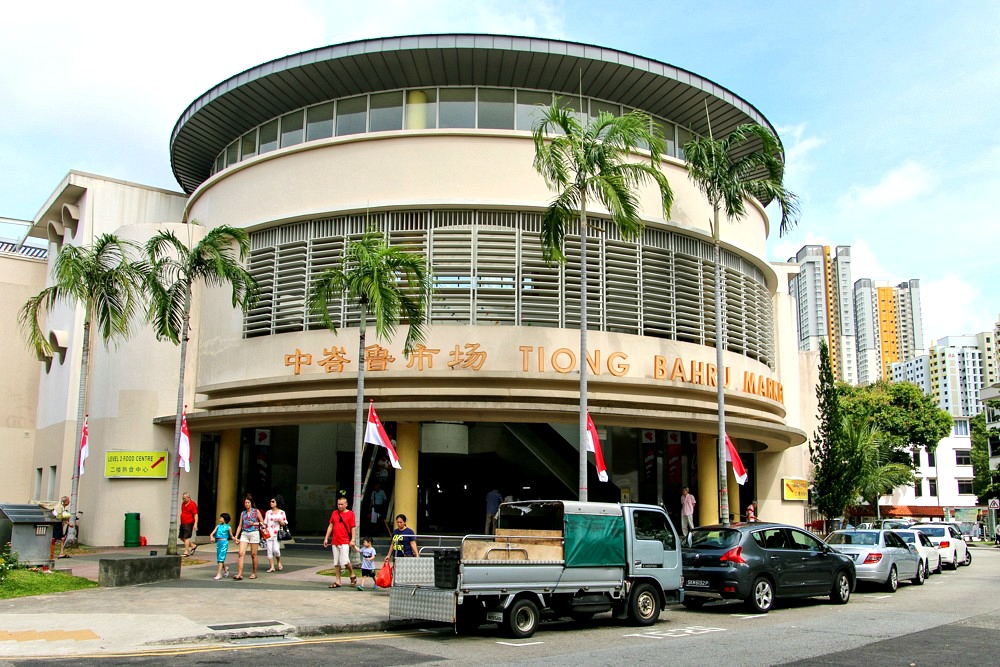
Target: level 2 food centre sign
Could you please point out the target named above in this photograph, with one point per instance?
(145, 465)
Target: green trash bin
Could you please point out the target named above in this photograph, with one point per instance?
(131, 529)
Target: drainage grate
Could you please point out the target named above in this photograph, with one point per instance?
(243, 626)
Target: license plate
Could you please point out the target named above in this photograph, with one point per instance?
(494, 616)
(697, 582)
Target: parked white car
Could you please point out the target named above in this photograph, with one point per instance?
(928, 551)
(948, 539)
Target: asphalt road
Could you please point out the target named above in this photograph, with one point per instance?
(953, 619)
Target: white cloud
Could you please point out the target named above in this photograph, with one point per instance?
(903, 184)
(953, 306)
(798, 146)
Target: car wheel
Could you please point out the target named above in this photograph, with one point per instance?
(953, 565)
(841, 591)
(938, 569)
(521, 619)
(892, 583)
(968, 557)
(694, 602)
(761, 596)
(921, 574)
(643, 605)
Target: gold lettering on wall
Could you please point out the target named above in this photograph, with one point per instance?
(556, 360)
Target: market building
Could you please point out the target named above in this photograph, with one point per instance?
(428, 139)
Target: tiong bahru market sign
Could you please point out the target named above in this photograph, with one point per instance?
(477, 357)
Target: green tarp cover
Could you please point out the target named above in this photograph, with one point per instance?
(593, 540)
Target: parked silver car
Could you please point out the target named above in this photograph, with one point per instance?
(880, 556)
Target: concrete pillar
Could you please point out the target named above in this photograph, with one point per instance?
(708, 481)
(408, 449)
(229, 474)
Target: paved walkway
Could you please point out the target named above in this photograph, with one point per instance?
(195, 608)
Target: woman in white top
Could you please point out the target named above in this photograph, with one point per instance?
(274, 519)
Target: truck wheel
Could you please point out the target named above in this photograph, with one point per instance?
(520, 619)
(644, 605)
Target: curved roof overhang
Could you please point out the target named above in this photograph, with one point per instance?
(266, 91)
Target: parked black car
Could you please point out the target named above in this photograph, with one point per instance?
(759, 562)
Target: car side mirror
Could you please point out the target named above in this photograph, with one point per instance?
(913, 547)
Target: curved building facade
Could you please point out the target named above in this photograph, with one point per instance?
(428, 139)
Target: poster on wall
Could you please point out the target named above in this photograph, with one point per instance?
(794, 489)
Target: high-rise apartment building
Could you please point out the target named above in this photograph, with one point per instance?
(954, 372)
(822, 291)
(889, 326)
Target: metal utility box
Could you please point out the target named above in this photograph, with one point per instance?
(29, 529)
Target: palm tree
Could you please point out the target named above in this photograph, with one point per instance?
(107, 283)
(875, 477)
(729, 172)
(391, 283)
(216, 260)
(594, 162)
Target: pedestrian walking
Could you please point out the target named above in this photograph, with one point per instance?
(367, 563)
(274, 519)
(340, 536)
(493, 500)
(248, 534)
(189, 524)
(221, 535)
(688, 501)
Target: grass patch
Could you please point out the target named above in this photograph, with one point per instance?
(22, 583)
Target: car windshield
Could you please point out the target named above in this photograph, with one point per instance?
(720, 538)
(854, 537)
(933, 531)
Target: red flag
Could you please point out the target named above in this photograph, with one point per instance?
(376, 435)
(734, 457)
(184, 444)
(594, 445)
(84, 443)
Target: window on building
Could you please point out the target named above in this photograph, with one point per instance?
(232, 153)
(50, 492)
(496, 109)
(421, 109)
(994, 445)
(292, 129)
(530, 107)
(36, 492)
(386, 112)
(916, 458)
(268, 137)
(965, 487)
(931, 458)
(352, 115)
(932, 487)
(458, 107)
(961, 427)
(963, 457)
(918, 489)
(319, 122)
(248, 144)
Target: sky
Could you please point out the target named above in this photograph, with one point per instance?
(888, 110)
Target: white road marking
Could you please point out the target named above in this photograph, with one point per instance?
(524, 644)
(746, 617)
(879, 597)
(675, 633)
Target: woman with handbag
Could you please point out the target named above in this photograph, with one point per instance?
(248, 533)
(274, 520)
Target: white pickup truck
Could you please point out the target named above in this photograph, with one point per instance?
(562, 558)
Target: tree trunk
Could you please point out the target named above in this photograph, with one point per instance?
(175, 463)
(81, 415)
(720, 372)
(583, 347)
(358, 416)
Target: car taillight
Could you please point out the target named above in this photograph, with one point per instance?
(734, 555)
(871, 559)
(944, 544)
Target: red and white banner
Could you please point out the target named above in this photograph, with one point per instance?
(84, 443)
(734, 457)
(376, 435)
(594, 445)
(184, 444)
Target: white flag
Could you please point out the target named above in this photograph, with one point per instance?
(84, 443)
(184, 445)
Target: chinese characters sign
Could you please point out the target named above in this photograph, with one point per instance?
(147, 465)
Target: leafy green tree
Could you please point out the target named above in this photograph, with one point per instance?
(747, 164)
(905, 416)
(834, 467)
(106, 282)
(386, 282)
(173, 270)
(876, 477)
(596, 162)
(986, 482)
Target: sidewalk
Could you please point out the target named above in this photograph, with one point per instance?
(294, 602)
